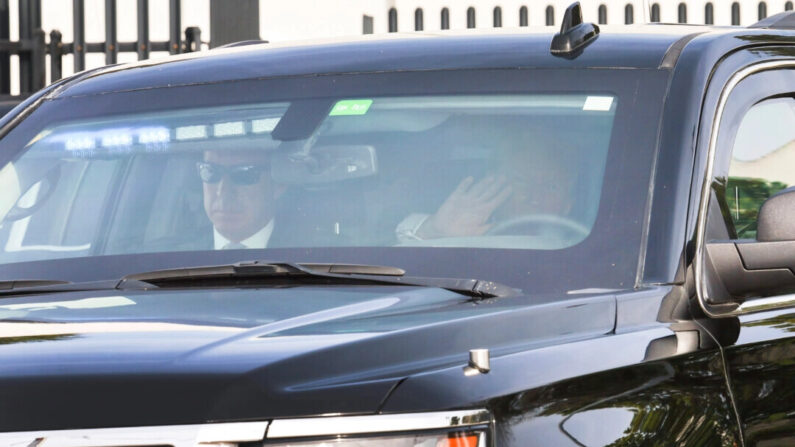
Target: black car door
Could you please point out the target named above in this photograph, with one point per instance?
(754, 157)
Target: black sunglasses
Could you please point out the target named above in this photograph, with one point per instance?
(238, 174)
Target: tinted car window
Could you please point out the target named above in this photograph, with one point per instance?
(537, 187)
(529, 168)
(761, 161)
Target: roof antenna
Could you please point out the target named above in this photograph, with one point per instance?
(574, 35)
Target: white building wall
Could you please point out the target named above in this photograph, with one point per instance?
(282, 20)
(307, 19)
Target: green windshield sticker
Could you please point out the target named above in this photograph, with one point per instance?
(351, 107)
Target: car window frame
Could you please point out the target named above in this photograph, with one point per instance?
(748, 86)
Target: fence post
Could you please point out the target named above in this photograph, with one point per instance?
(5, 58)
(56, 55)
(111, 43)
(79, 24)
(35, 14)
(26, 39)
(143, 30)
(29, 21)
(175, 27)
(193, 39)
(39, 60)
(39, 52)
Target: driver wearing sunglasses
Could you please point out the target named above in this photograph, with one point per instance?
(239, 197)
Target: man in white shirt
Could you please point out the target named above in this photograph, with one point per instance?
(239, 197)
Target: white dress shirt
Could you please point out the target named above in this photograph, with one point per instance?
(406, 230)
(257, 240)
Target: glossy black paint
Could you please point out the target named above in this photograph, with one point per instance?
(761, 362)
(253, 353)
(382, 54)
(762, 366)
(613, 368)
(641, 385)
(758, 361)
(680, 400)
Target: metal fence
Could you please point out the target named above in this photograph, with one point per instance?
(33, 47)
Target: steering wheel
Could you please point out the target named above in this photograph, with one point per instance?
(515, 225)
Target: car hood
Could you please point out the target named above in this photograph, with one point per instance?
(80, 360)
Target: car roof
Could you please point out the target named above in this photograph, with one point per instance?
(630, 47)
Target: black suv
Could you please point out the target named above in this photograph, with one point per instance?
(453, 240)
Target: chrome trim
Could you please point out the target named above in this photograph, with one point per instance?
(204, 435)
(761, 304)
(479, 360)
(717, 311)
(376, 424)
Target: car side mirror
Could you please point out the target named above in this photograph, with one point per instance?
(740, 270)
(776, 221)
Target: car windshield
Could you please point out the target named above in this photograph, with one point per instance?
(473, 176)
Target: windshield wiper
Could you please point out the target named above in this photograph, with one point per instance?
(42, 286)
(255, 273)
(17, 284)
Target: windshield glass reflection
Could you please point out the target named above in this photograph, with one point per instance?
(450, 171)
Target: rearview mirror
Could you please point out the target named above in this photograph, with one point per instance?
(740, 270)
(323, 164)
